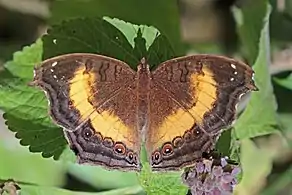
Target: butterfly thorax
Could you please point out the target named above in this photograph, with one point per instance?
(143, 88)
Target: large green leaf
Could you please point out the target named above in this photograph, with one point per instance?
(259, 117)
(250, 22)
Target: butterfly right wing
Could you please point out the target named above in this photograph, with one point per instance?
(192, 99)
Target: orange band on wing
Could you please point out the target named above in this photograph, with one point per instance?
(182, 120)
(105, 123)
(204, 95)
(173, 125)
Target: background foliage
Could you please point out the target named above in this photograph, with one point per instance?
(260, 139)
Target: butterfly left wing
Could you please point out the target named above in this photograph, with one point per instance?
(191, 100)
(93, 98)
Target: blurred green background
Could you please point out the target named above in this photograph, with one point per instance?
(192, 26)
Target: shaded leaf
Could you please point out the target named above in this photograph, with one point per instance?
(160, 51)
(284, 82)
(92, 176)
(90, 35)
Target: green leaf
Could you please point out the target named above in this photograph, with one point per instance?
(28, 57)
(256, 165)
(103, 38)
(26, 111)
(151, 12)
(48, 140)
(279, 180)
(160, 51)
(286, 122)
(161, 183)
(223, 143)
(250, 22)
(259, 117)
(90, 35)
(284, 82)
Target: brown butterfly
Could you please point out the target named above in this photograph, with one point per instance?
(178, 109)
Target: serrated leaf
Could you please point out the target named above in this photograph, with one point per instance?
(25, 60)
(48, 140)
(162, 183)
(26, 107)
(259, 117)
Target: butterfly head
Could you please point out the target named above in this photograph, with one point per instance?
(143, 67)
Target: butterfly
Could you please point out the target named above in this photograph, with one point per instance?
(108, 110)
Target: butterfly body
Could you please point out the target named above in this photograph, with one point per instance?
(143, 88)
(107, 109)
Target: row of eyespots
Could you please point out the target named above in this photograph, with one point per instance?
(168, 148)
(118, 148)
